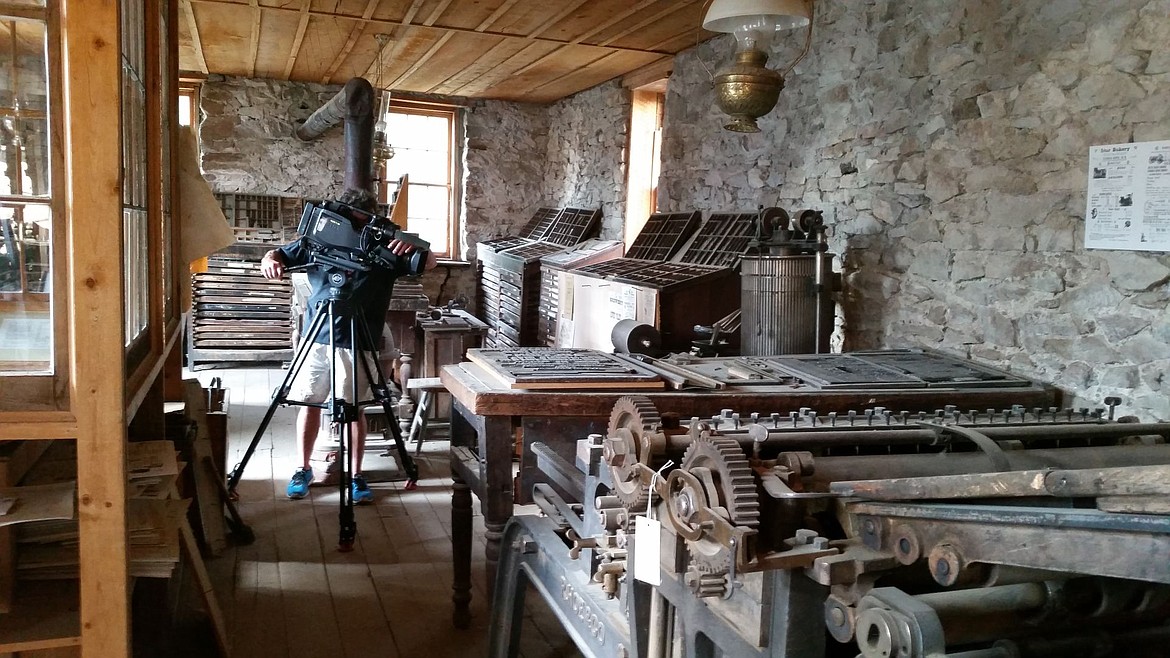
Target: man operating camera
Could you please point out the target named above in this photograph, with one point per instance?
(369, 299)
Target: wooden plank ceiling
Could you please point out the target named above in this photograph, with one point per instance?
(523, 50)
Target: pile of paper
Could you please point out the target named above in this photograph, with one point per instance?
(47, 531)
(48, 544)
(153, 514)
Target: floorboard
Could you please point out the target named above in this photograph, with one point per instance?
(292, 594)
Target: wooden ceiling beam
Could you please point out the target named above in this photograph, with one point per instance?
(421, 60)
(444, 28)
(474, 71)
(399, 44)
(354, 33)
(577, 71)
(647, 21)
(437, 13)
(487, 22)
(500, 11)
(652, 72)
(605, 44)
(493, 75)
(298, 39)
(193, 28)
(255, 39)
(619, 17)
(543, 27)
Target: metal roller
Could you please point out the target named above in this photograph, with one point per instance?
(633, 337)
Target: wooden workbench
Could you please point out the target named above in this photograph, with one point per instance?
(489, 421)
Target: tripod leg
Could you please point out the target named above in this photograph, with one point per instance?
(347, 525)
(382, 395)
(344, 414)
(279, 397)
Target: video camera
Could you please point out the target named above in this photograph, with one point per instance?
(349, 234)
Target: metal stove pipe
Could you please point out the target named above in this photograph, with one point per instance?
(355, 105)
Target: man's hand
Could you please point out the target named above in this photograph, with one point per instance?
(399, 247)
(272, 265)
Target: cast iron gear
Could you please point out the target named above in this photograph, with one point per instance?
(732, 475)
(634, 425)
(706, 585)
(719, 464)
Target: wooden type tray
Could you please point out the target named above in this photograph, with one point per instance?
(590, 251)
(540, 223)
(574, 225)
(533, 251)
(892, 369)
(500, 244)
(665, 275)
(937, 369)
(612, 268)
(551, 368)
(663, 235)
(721, 240)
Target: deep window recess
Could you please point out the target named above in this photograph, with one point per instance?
(645, 156)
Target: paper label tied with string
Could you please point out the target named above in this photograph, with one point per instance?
(648, 539)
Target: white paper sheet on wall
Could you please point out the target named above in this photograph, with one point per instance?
(1128, 197)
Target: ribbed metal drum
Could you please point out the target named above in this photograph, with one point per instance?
(779, 304)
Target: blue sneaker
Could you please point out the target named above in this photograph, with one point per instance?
(360, 491)
(298, 486)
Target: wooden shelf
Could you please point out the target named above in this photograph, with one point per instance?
(44, 616)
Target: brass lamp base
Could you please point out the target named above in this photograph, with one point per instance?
(747, 90)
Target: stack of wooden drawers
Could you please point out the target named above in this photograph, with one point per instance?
(238, 315)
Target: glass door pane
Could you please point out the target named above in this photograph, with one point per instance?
(26, 218)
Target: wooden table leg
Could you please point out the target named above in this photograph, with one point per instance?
(461, 551)
(496, 447)
(486, 471)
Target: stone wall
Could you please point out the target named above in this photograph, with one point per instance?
(247, 143)
(503, 169)
(246, 138)
(947, 143)
(585, 167)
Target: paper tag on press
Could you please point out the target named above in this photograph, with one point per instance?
(647, 550)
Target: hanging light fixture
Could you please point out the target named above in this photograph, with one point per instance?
(383, 151)
(747, 89)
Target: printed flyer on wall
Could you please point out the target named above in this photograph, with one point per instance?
(1128, 200)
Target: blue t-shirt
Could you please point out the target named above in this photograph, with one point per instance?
(369, 296)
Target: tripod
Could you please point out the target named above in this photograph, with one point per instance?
(343, 407)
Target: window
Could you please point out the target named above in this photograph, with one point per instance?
(645, 157)
(423, 139)
(135, 227)
(26, 217)
(188, 104)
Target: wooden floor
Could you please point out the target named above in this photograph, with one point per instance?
(291, 593)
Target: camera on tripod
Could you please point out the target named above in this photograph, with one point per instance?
(340, 232)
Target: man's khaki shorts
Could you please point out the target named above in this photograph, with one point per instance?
(311, 384)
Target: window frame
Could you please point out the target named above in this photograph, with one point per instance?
(36, 389)
(454, 172)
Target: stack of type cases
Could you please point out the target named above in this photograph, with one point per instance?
(238, 315)
(510, 272)
(551, 266)
(700, 285)
(261, 218)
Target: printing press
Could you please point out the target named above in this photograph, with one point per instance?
(880, 533)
